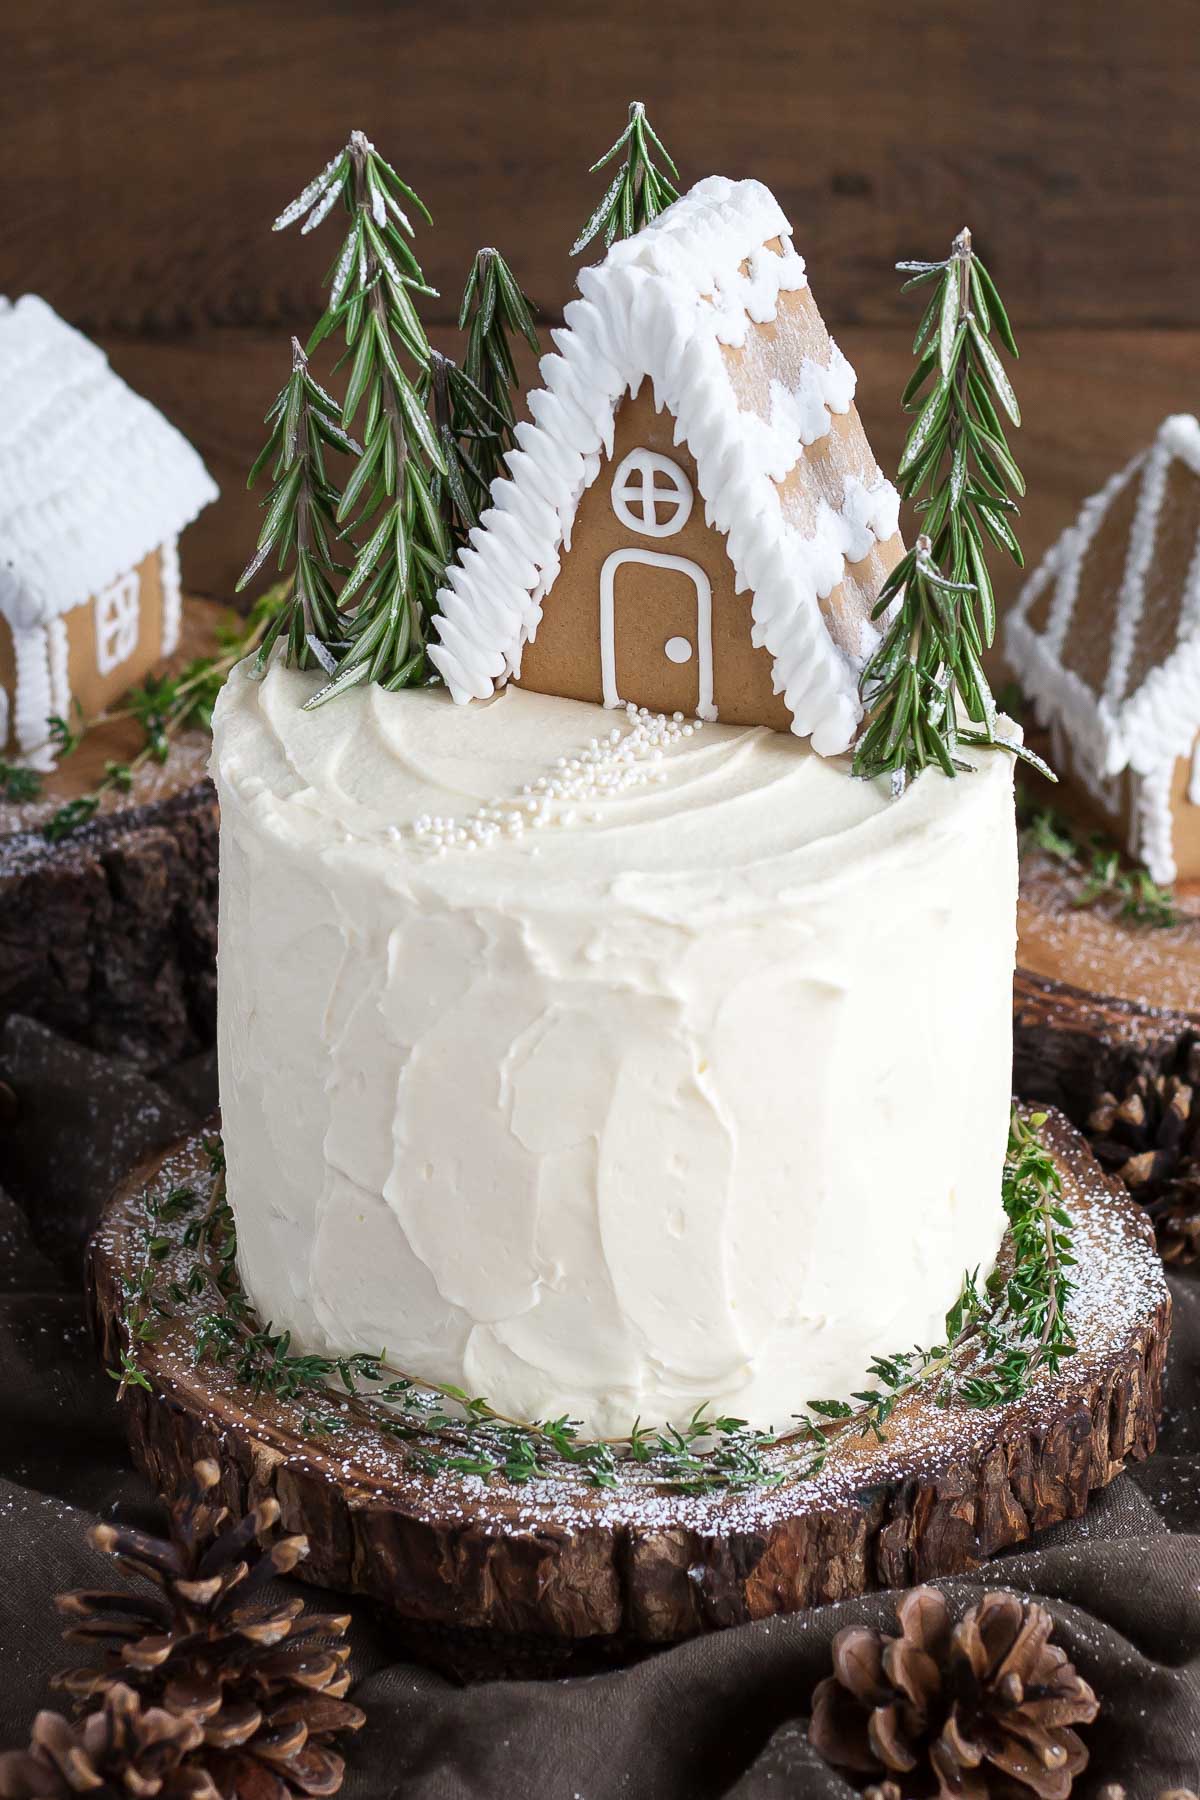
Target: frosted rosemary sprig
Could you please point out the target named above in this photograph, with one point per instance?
(481, 418)
(925, 668)
(639, 191)
(472, 406)
(958, 470)
(493, 311)
(300, 526)
(956, 464)
(466, 429)
(390, 496)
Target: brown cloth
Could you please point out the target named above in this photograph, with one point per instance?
(721, 1716)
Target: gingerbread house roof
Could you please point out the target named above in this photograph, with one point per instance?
(92, 477)
(1105, 638)
(668, 305)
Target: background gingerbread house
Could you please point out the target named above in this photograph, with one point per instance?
(1105, 641)
(95, 487)
(694, 520)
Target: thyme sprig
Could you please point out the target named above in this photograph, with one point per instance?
(390, 502)
(1026, 1325)
(639, 191)
(959, 471)
(163, 706)
(19, 782)
(996, 1337)
(1103, 875)
(300, 526)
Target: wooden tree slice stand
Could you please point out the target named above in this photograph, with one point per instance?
(488, 1578)
(109, 935)
(1107, 1027)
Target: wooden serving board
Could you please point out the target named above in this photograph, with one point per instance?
(483, 1577)
(109, 935)
(1107, 1027)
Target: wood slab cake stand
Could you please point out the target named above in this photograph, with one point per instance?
(1107, 1027)
(489, 1578)
(109, 935)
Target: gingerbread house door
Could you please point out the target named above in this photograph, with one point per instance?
(656, 607)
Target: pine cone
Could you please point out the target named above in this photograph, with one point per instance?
(265, 1682)
(1149, 1135)
(121, 1749)
(976, 1711)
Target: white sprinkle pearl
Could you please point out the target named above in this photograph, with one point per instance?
(610, 766)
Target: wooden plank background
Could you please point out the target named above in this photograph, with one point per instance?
(145, 148)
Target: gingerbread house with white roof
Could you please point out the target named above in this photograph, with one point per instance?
(95, 487)
(693, 520)
(1105, 641)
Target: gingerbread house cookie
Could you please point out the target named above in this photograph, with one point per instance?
(95, 487)
(1105, 640)
(694, 520)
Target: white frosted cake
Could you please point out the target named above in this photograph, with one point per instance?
(653, 1104)
(606, 1063)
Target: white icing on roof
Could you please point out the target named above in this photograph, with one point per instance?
(662, 305)
(92, 477)
(1117, 727)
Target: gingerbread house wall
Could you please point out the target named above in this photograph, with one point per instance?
(653, 604)
(85, 683)
(1119, 804)
(656, 604)
(1185, 818)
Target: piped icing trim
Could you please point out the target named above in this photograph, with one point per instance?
(92, 477)
(664, 305)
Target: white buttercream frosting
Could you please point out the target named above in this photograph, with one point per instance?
(693, 1089)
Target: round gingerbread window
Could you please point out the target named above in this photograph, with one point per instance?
(651, 494)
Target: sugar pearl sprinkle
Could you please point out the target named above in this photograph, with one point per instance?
(611, 765)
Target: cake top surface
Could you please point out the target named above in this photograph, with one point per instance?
(92, 477)
(680, 304)
(1106, 634)
(465, 798)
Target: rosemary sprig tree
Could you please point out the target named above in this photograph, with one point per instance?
(472, 406)
(467, 432)
(493, 312)
(639, 191)
(391, 494)
(959, 470)
(301, 519)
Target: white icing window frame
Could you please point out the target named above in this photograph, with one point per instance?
(634, 481)
(656, 559)
(117, 612)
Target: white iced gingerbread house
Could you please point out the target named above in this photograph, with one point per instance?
(1105, 641)
(693, 520)
(95, 487)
